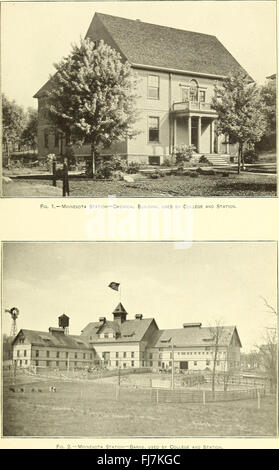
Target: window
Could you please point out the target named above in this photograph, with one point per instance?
(75, 355)
(150, 355)
(48, 363)
(116, 354)
(124, 365)
(75, 363)
(124, 354)
(17, 353)
(67, 355)
(208, 363)
(153, 87)
(151, 363)
(106, 335)
(46, 139)
(195, 363)
(153, 129)
(159, 363)
(37, 353)
(202, 96)
(116, 363)
(57, 363)
(142, 363)
(24, 353)
(57, 354)
(36, 363)
(132, 363)
(194, 90)
(47, 354)
(132, 354)
(184, 94)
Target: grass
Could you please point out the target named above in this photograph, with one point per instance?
(91, 409)
(250, 185)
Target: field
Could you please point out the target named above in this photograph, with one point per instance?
(91, 409)
(249, 185)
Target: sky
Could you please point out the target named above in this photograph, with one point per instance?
(206, 282)
(37, 34)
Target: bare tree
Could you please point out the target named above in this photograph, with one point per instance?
(216, 332)
(268, 348)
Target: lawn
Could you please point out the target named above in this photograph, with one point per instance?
(91, 409)
(250, 185)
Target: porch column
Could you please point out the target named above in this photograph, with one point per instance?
(174, 132)
(199, 135)
(212, 137)
(189, 130)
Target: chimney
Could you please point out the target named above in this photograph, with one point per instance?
(102, 319)
(138, 316)
(192, 325)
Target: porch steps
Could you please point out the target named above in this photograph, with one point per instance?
(217, 159)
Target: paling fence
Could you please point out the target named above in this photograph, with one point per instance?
(161, 395)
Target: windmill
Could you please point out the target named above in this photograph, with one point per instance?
(14, 312)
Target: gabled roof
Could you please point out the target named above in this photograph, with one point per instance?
(193, 337)
(129, 330)
(164, 47)
(154, 46)
(46, 339)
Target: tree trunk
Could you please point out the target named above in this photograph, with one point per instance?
(239, 158)
(93, 159)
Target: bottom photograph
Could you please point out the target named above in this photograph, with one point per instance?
(139, 339)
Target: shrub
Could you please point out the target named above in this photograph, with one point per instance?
(133, 167)
(250, 155)
(109, 166)
(183, 153)
(203, 159)
(167, 162)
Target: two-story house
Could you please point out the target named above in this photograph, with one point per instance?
(177, 71)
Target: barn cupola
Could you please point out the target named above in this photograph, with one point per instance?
(119, 314)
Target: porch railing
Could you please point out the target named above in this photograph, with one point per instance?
(192, 106)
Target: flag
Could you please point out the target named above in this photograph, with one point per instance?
(114, 285)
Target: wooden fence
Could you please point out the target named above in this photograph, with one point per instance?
(161, 395)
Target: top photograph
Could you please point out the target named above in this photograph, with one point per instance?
(139, 99)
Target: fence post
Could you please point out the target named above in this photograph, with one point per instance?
(117, 392)
(203, 397)
(259, 399)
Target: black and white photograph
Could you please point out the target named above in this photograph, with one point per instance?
(139, 339)
(139, 99)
